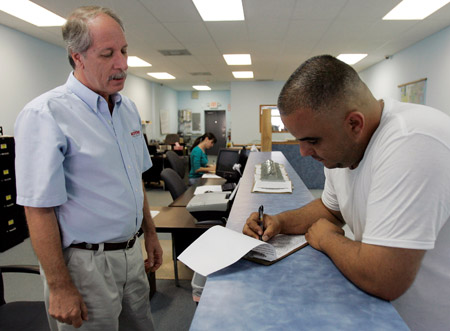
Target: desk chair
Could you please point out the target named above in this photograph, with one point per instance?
(21, 315)
(176, 162)
(176, 186)
(173, 182)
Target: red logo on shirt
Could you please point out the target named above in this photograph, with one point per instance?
(135, 133)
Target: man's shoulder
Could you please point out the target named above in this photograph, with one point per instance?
(41, 102)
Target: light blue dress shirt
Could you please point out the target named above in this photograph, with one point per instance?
(72, 154)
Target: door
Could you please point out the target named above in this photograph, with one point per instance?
(215, 123)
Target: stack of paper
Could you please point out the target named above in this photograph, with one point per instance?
(265, 186)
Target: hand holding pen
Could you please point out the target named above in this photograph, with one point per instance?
(261, 219)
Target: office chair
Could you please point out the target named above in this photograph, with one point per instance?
(21, 315)
(172, 138)
(176, 187)
(173, 182)
(176, 163)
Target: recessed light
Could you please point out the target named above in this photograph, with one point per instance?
(201, 87)
(351, 58)
(31, 13)
(220, 10)
(134, 61)
(237, 59)
(243, 74)
(160, 75)
(414, 9)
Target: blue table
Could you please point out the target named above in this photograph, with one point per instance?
(304, 291)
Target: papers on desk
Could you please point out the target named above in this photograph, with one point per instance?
(265, 186)
(220, 247)
(207, 188)
(210, 176)
(153, 213)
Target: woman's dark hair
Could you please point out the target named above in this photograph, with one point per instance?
(208, 135)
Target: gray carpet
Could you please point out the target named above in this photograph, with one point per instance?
(172, 307)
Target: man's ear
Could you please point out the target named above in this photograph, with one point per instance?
(77, 59)
(354, 123)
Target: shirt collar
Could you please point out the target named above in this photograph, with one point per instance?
(91, 98)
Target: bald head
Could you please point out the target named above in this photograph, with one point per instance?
(324, 84)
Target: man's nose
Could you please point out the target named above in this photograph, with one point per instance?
(121, 61)
(305, 149)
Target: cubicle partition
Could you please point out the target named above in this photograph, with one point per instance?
(301, 292)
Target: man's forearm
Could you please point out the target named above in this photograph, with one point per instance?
(386, 272)
(148, 226)
(299, 220)
(46, 241)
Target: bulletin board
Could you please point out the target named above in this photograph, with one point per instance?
(414, 92)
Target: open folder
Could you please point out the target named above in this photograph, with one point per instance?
(220, 247)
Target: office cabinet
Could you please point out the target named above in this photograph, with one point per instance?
(13, 229)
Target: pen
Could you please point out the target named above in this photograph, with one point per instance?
(261, 219)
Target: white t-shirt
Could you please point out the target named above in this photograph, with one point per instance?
(399, 196)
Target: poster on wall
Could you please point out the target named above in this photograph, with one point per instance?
(414, 92)
(164, 119)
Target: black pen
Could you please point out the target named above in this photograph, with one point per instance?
(261, 219)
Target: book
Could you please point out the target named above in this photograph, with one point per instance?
(276, 248)
(220, 247)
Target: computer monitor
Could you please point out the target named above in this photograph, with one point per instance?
(243, 156)
(226, 159)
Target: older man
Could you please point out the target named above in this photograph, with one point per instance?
(80, 155)
(386, 177)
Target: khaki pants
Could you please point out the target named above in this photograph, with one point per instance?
(114, 288)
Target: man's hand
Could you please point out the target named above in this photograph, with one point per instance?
(319, 230)
(67, 306)
(253, 229)
(154, 253)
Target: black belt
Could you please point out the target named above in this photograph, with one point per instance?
(107, 246)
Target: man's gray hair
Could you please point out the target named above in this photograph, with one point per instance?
(76, 30)
(321, 83)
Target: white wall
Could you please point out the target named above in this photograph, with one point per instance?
(246, 97)
(201, 104)
(164, 99)
(29, 68)
(32, 67)
(429, 58)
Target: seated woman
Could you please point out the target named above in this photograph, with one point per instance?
(199, 159)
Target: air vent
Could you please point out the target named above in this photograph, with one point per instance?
(200, 73)
(174, 52)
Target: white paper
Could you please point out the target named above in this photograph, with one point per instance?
(271, 186)
(210, 176)
(216, 249)
(153, 213)
(208, 188)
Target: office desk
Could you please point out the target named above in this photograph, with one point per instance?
(184, 199)
(301, 292)
(182, 225)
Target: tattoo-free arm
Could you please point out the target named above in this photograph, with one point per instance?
(65, 302)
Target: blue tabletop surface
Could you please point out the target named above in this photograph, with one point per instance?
(304, 291)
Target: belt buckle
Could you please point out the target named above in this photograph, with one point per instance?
(130, 241)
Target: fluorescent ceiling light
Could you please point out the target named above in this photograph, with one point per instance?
(415, 9)
(243, 74)
(160, 75)
(351, 58)
(220, 10)
(134, 61)
(31, 13)
(201, 87)
(237, 59)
